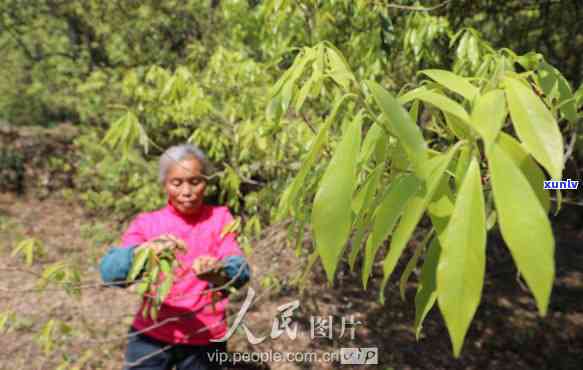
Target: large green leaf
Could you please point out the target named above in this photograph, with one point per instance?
(453, 82)
(393, 204)
(489, 114)
(401, 124)
(524, 224)
(440, 210)
(332, 213)
(530, 169)
(460, 273)
(435, 169)
(535, 125)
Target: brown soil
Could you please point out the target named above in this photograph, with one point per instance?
(506, 333)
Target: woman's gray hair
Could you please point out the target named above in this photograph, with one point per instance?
(180, 152)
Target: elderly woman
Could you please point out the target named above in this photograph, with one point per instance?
(191, 315)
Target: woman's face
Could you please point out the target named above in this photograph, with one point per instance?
(185, 185)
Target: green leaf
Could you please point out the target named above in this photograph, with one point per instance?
(530, 169)
(53, 272)
(427, 289)
(367, 191)
(458, 127)
(374, 135)
(295, 71)
(536, 127)
(139, 262)
(461, 166)
(361, 205)
(524, 224)
(411, 95)
(154, 312)
(145, 310)
(460, 273)
(489, 114)
(394, 202)
(303, 94)
(445, 104)
(332, 213)
(435, 169)
(412, 264)
(338, 69)
(453, 82)
(491, 220)
(559, 202)
(154, 273)
(289, 198)
(287, 94)
(165, 287)
(45, 337)
(29, 248)
(441, 206)
(414, 111)
(273, 110)
(578, 95)
(282, 92)
(473, 53)
(554, 84)
(360, 230)
(165, 266)
(402, 126)
(4, 316)
(143, 287)
(529, 61)
(124, 132)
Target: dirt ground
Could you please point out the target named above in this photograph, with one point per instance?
(506, 333)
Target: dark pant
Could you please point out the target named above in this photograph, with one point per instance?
(141, 349)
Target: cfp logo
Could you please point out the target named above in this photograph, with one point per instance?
(359, 356)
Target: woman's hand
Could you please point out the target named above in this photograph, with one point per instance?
(163, 242)
(210, 269)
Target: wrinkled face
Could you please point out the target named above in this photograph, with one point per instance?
(185, 185)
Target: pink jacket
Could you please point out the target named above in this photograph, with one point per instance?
(194, 320)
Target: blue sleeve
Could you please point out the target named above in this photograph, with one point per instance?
(237, 268)
(116, 265)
